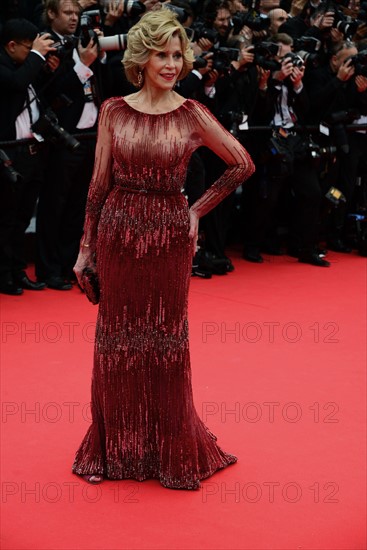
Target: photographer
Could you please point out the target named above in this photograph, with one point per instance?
(286, 166)
(213, 27)
(74, 92)
(315, 20)
(230, 90)
(338, 95)
(22, 59)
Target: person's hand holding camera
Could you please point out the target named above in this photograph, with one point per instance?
(43, 44)
(211, 78)
(205, 44)
(89, 53)
(246, 56)
(52, 62)
(209, 63)
(296, 77)
(263, 77)
(345, 71)
(324, 21)
(336, 35)
(361, 83)
(285, 70)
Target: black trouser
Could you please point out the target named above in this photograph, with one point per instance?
(216, 223)
(17, 205)
(263, 193)
(195, 178)
(61, 209)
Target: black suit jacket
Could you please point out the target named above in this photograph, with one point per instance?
(65, 93)
(15, 80)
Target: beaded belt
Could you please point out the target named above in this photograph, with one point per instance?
(151, 191)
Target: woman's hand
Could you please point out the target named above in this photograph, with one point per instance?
(86, 258)
(194, 229)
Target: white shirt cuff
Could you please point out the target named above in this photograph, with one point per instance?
(38, 53)
(299, 90)
(83, 72)
(196, 73)
(210, 91)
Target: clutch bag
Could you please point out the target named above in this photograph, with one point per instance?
(90, 285)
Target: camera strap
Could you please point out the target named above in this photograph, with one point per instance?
(28, 101)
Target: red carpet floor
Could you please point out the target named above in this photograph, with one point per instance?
(278, 360)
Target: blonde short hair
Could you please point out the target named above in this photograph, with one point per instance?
(153, 32)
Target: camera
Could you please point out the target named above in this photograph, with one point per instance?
(200, 30)
(88, 22)
(200, 62)
(344, 24)
(299, 148)
(316, 152)
(308, 47)
(296, 59)
(348, 28)
(223, 57)
(359, 62)
(63, 46)
(263, 55)
(48, 127)
(7, 170)
(252, 19)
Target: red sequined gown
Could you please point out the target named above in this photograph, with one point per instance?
(144, 423)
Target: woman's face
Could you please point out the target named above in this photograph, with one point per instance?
(163, 67)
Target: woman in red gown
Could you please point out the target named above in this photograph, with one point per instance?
(140, 230)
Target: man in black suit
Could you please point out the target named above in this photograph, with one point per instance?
(74, 92)
(22, 58)
(284, 103)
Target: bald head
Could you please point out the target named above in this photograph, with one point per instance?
(277, 17)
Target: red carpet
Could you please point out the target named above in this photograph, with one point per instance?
(278, 360)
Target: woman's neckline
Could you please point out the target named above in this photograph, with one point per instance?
(155, 114)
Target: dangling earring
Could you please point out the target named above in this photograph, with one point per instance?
(140, 78)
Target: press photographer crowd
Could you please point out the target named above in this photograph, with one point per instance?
(287, 78)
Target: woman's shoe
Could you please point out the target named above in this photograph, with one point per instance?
(94, 479)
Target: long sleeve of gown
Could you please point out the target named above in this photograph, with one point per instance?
(101, 182)
(221, 142)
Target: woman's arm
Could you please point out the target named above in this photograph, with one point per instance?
(98, 191)
(222, 143)
(240, 166)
